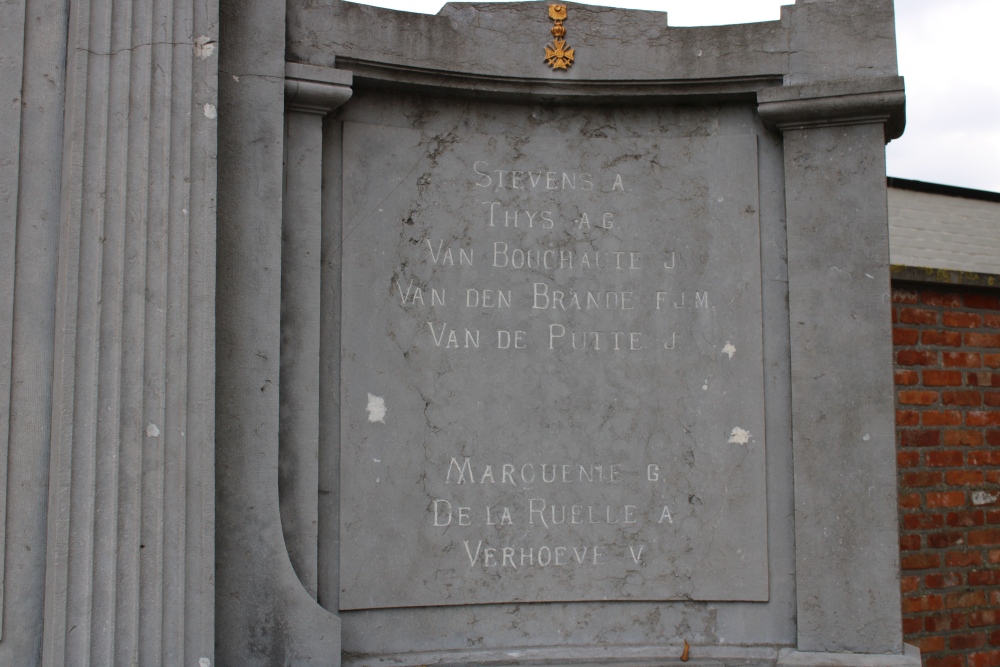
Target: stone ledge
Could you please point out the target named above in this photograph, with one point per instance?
(663, 655)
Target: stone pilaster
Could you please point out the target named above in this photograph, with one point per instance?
(130, 561)
(842, 395)
(310, 93)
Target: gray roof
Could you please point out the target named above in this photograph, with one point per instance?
(943, 227)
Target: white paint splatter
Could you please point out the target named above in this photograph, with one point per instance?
(204, 47)
(866, 437)
(376, 409)
(729, 349)
(739, 436)
(984, 497)
(236, 78)
(211, 112)
(377, 460)
(704, 387)
(204, 662)
(152, 431)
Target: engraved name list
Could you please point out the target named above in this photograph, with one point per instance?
(551, 370)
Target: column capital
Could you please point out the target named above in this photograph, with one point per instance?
(317, 90)
(833, 103)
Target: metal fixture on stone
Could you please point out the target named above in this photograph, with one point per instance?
(558, 54)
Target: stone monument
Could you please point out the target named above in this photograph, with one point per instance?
(533, 334)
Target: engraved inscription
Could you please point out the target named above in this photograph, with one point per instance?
(568, 335)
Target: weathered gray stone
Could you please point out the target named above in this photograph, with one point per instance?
(751, 154)
(129, 557)
(549, 333)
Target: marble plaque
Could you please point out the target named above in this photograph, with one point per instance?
(552, 378)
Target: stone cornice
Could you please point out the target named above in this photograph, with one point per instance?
(834, 103)
(312, 89)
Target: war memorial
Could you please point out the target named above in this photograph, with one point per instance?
(522, 334)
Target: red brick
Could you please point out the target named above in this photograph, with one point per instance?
(967, 320)
(923, 521)
(965, 599)
(963, 558)
(946, 580)
(922, 478)
(984, 301)
(918, 358)
(905, 296)
(984, 578)
(962, 359)
(995, 598)
(907, 378)
(909, 500)
(965, 642)
(948, 459)
(922, 561)
(944, 623)
(909, 584)
(994, 556)
(990, 360)
(907, 418)
(922, 603)
(995, 638)
(917, 397)
(944, 661)
(982, 418)
(992, 477)
(941, 418)
(981, 339)
(993, 438)
(963, 438)
(985, 659)
(966, 519)
(912, 625)
(920, 438)
(943, 338)
(917, 316)
(946, 499)
(907, 459)
(991, 398)
(943, 299)
(909, 543)
(907, 336)
(966, 398)
(983, 379)
(933, 378)
(963, 477)
(944, 540)
(984, 458)
(929, 644)
(993, 516)
(991, 321)
(988, 536)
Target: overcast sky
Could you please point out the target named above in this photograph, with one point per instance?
(949, 53)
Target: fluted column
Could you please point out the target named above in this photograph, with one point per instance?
(11, 54)
(130, 554)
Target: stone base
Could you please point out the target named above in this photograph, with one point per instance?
(640, 656)
(789, 657)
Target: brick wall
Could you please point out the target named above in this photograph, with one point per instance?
(947, 347)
